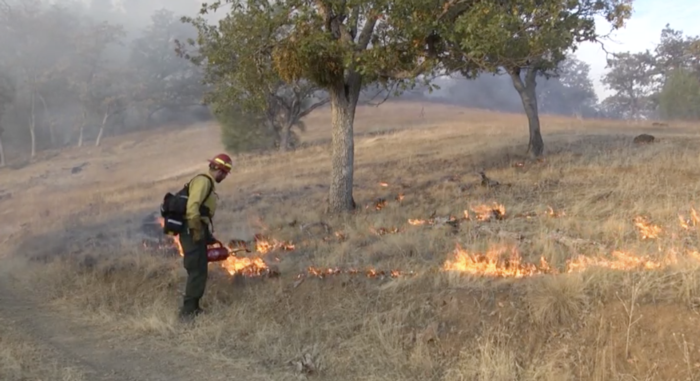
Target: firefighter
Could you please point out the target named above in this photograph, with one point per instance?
(201, 206)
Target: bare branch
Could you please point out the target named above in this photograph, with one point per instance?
(313, 107)
(386, 97)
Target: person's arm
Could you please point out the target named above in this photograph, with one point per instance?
(199, 187)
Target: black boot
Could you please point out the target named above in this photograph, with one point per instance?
(197, 309)
(188, 311)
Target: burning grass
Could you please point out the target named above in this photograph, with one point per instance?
(582, 266)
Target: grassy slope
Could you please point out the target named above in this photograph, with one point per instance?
(594, 325)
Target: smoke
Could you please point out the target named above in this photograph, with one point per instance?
(73, 72)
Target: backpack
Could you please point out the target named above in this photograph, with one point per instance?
(174, 207)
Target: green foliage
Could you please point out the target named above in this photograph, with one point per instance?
(322, 41)
(634, 79)
(492, 35)
(242, 131)
(236, 58)
(662, 83)
(680, 96)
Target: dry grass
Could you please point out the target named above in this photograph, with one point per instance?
(22, 358)
(598, 324)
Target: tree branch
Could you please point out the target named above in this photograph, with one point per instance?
(313, 107)
(386, 97)
(367, 31)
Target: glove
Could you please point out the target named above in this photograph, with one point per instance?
(195, 227)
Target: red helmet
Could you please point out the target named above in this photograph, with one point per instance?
(222, 161)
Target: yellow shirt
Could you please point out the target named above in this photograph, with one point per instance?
(198, 189)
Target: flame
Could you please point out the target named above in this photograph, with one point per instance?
(486, 212)
(245, 266)
(492, 263)
(384, 231)
(550, 212)
(175, 242)
(378, 204)
(339, 237)
(689, 223)
(646, 229)
(253, 266)
(264, 245)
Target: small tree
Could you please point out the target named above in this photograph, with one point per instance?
(339, 47)
(675, 51)
(243, 131)
(238, 62)
(7, 96)
(680, 96)
(90, 73)
(524, 38)
(634, 79)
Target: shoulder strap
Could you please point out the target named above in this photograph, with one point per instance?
(211, 185)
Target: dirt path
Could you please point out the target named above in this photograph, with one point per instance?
(90, 354)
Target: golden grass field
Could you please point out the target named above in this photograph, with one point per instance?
(591, 273)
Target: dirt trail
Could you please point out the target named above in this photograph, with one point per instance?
(97, 355)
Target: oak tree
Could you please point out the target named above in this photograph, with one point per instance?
(90, 72)
(241, 72)
(524, 38)
(677, 61)
(633, 78)
(341, 46)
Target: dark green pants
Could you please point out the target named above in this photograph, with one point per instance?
(195, 262)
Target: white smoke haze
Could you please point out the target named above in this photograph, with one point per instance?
(73, 72)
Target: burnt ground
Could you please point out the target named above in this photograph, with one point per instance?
(64, 335)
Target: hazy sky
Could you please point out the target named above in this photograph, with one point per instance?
(641, 32)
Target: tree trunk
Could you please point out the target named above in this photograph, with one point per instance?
(102, 129)
(285, 137)
(32, 125)
(2, 154)
(344, 97)
(82, 127)
(52, 136)
(528, 96)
